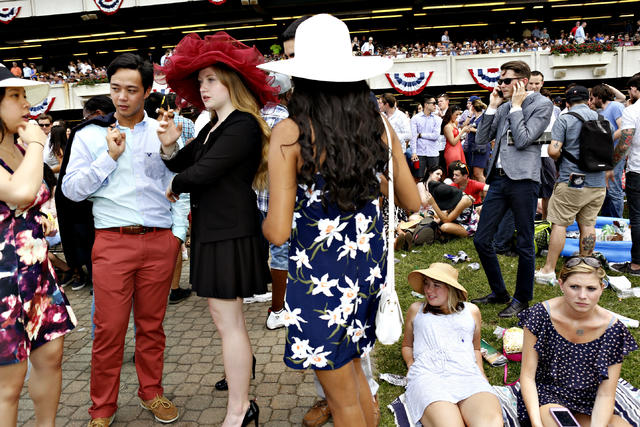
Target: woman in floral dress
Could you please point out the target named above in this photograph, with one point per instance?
(34, 312)
(326, 171)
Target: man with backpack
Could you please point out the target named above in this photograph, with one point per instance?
(576, 138)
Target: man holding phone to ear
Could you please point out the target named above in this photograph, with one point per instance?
(515, 119)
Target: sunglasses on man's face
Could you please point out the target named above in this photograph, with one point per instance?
(44, 125)
(589, 260)
(507, 81)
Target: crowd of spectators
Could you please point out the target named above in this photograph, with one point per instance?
(535, 39)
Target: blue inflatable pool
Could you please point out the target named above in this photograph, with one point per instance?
(613, 251)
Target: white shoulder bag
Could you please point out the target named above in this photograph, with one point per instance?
(389, 318)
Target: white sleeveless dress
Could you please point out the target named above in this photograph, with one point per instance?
(445, 367)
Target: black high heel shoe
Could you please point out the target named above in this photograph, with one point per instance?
(222, 384)
(252, 414)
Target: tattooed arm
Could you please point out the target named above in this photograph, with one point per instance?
(555, 149)
(624, 143)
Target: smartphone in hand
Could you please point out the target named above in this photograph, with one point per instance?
(563, 417)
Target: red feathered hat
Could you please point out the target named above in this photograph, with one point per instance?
(193, 54)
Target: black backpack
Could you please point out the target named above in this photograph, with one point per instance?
(596, 145)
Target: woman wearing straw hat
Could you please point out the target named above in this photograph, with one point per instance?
(34, 312)
(441, 347)
(326, 164)
(228, 254)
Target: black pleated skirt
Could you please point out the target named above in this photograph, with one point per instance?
(229, 269)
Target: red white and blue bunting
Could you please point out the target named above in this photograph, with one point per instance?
(160, 88)
(409, 83)
(8, 14)
(109, 7)
(41, 108)
(486, 78)
(217, 2)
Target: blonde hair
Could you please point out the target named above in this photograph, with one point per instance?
(581, 268)
(243, 100)
(455, 299)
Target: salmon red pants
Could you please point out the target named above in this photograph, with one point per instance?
(129, 269)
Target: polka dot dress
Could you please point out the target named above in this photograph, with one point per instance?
(569, 374)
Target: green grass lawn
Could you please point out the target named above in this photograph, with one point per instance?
(389, 359)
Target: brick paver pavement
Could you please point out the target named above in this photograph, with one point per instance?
(193, 364)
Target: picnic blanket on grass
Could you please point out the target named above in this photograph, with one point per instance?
(627, 405)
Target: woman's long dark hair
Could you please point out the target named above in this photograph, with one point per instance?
(347, 147)
(58, 140)
(447, 116)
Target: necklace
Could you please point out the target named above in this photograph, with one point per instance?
(579, 331)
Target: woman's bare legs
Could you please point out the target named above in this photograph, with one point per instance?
(442, 414)
(236, 354)
(481, 410)
(583, 420)
(11, 381)
(478, 174)
(45, 381)
(348, 395)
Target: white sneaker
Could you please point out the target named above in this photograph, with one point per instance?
(275, 319)
(546, 278)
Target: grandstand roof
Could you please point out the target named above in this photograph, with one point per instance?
(55, 39)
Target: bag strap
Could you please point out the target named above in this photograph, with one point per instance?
(392, 213)
(576, 115)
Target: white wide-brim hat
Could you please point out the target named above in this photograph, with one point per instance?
(35, 91)
(323, 52)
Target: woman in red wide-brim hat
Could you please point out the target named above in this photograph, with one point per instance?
(228, 253)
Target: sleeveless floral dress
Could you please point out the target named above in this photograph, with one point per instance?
(33, 308)
(337, 264)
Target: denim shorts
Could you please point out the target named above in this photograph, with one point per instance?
(279, 256)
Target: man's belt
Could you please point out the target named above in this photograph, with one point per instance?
(499, 172)
(133, 229)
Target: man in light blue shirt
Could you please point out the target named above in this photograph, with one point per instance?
(602, 98)
(138, 233)
(425, 131)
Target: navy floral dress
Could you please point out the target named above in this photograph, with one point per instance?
(33, 308)
(569, 374)
(337, 264)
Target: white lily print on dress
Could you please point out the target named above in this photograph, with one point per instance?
(334, 317)
(374, 273)
(290, 317)
(363, 241)
(300, 348)
(362, 222)
(323, 285)
(366, 350)
(312, 194)
(330, 229)
(296, 215)
(349, 248)
(358, 331)
(349, 293)
(301, 259)
(317, 358)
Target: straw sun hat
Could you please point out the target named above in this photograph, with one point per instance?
(439, 271)
(35, 91)
(323, 52)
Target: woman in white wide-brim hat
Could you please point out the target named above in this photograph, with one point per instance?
(34, 312)
(441, 347)
(326, 171)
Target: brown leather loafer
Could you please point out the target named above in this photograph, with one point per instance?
(317, 415)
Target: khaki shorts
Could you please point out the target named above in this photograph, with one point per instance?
(580, 204)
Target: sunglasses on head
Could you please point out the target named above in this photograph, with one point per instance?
(507, 81)
(589, 260)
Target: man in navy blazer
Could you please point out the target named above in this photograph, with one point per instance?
(516, 119)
